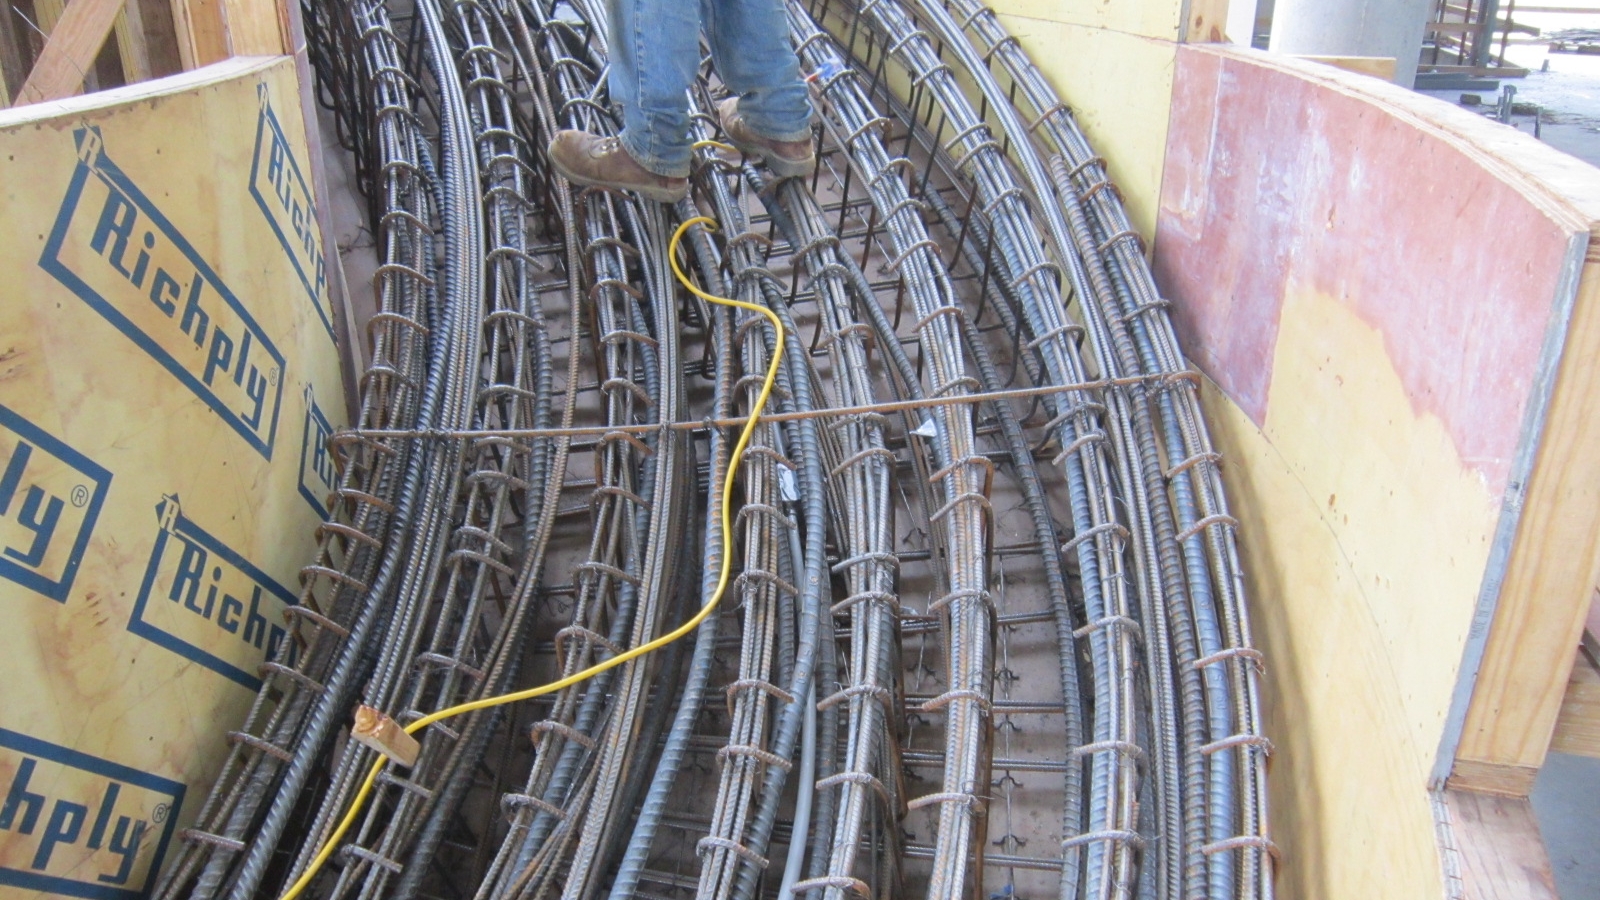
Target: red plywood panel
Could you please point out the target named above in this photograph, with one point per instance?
(1275, 182)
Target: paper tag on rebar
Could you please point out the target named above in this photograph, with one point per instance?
(788, 485)
(927, 429)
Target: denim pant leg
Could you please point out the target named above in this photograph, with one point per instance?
(750, 47)
(655, 50)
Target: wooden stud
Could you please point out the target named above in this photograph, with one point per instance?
(13, 64)
(383, 734)
(130, 44)
(70, 52)
(256, 28)
(202, 33)
(1492, 778)
(46, 13)
(160, 37)
(1554, 565)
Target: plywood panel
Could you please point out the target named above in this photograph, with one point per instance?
(1350, 198)
(1152, 18)
(163, 391)
(1386, 385)
(1349, 809)
(1120, 89)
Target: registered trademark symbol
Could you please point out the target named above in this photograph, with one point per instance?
(80, 496)
(159, 814)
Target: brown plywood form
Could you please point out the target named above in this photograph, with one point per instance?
(1393, 299)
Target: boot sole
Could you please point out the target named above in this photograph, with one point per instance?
(648, 192)
(783, 168)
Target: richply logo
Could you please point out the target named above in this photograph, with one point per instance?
(318, 475)
(76, 825)
(50, 496)
(113, 248)
(284, 198)
(207, 603)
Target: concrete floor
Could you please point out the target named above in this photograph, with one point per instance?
(1566, 799)
(1568, 94)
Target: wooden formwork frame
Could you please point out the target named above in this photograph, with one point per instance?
(153, 37)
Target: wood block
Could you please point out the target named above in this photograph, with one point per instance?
(1496, 847)
(383, 734)
(1492, 778)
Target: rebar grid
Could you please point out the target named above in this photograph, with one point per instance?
(988, 458)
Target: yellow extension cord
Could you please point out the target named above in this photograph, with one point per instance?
(716, 596)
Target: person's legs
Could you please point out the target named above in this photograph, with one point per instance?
(655, 49)
(750, 46)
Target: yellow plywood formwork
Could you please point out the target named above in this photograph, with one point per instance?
(1407, 443)
(1119, 86)
(1325, 804)
(1155, 19)
(168, 376)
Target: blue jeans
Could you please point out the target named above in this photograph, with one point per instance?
(655, 51)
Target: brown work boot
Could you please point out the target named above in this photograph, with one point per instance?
(584, 158)
(786, 159)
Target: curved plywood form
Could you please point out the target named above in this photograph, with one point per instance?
(1392, 299)
(169, 375)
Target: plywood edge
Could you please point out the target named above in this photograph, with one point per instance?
(1381, 67)
(1491, 849)
(348, 334)
(182, 82)
(1084, 26)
